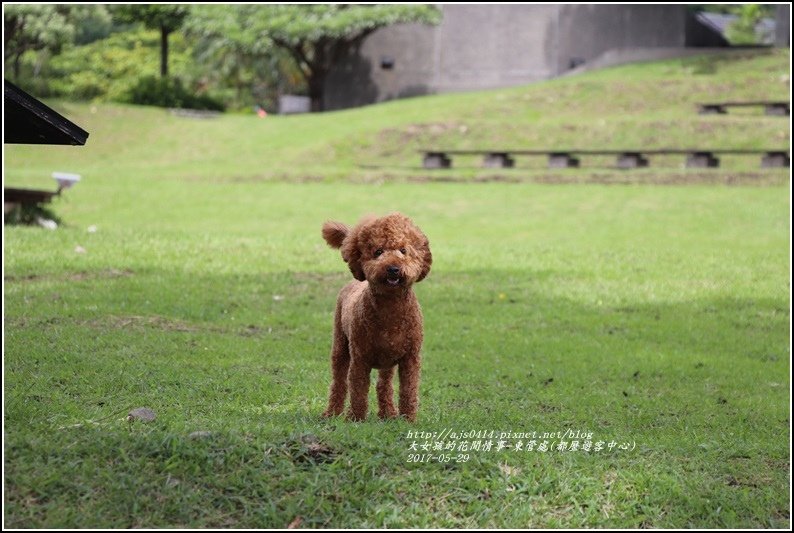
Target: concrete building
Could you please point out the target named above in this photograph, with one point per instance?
(490, 45)
(783, 25)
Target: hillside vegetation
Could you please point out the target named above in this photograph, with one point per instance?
(647, 105)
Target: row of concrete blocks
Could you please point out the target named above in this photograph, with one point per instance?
(433, 160)
(778, 109)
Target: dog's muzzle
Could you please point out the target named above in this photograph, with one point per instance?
(393, 275)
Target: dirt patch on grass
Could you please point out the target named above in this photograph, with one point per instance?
(319, 277)
(155, 322)
(170, 324)
(109, 273)
(673, 178)
(137, 323)
(756, 179)
(392, 141)
(308, 450)
(413, 132)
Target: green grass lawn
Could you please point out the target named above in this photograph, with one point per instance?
(651, 315)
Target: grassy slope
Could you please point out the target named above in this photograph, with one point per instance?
(648, 105)
(655, 315)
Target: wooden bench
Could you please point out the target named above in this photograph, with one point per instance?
(626, 159)
(27, 196)
(15, 198)
(779, 109)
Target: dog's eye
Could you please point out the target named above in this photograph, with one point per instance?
(402, 251)
(378, 252)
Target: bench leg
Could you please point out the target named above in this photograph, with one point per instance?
(9, 207)
(498, 160)
(563, 161)
(631, 160)
(712, 110)
(436, 160)
(702, 160)
(779, 110)
(775, 160)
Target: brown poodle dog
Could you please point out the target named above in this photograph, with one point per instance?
(378, 323)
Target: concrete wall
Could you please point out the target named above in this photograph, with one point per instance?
(783, 25)
(484, 46)
(489, 46)
(587, 31)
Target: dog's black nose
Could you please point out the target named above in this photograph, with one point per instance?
(393, 270)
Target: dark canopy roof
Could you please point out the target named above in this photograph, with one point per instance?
(27, 121)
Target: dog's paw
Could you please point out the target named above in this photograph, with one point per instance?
(355, 417)
(329, 414)
(385, 415)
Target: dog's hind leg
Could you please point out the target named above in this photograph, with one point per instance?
(340, 363)
(386, 393)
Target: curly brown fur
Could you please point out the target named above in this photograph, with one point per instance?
(378, 321)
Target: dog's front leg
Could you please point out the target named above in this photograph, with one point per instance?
(409, 387)
(386, 393)
(358, 383)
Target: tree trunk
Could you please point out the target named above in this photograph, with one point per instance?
(163, 52)
(316, 93)
(16, 67)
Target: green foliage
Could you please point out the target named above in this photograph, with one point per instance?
(107, 69)
(165, 18)
(30, 27)
(296, 24)
(234, 53)
(743, 30)
(238, 61)
(169, 92)
(314, 36)
(155, 16)
(92, 22)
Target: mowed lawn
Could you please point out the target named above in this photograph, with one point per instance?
(651, 316)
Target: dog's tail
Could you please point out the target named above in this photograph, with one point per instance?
(334, 233)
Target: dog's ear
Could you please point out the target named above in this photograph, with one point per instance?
(427, 258)
(352, 255)
(334, 233)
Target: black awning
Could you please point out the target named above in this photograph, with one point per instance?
(28, 121)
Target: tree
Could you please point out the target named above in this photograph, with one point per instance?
(319, 36)
(232, 53)
(92, 22)
(166, 18)
(34, 27)
(743, 29)
(315, 36)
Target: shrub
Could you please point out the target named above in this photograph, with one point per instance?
(169, 92)
(106, 70)
(30, 215)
